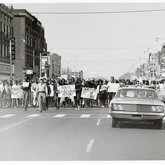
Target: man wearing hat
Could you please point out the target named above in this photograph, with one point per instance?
(26, 86)
(41, 92)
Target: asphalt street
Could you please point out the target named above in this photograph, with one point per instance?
(66, 134)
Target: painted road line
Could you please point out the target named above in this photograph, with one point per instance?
(90, 145)
(98, 122)
(60, 115)
(85, 116)
(108, 116)
(8, 115)
(33, 115)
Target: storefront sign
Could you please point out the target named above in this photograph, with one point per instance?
(5, 68)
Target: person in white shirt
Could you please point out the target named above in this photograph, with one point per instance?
(14, 95)
(161, 88)
(26, 86)
(34, 92)
(42, 93)
(52, 93)
(113, 87)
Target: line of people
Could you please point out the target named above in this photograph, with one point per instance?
(43, 93)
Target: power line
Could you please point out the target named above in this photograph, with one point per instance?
(105, 48)
(101, 61)
(100, 12)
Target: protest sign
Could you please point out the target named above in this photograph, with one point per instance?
(16, 93)
(89, 93)
(25, 84)
(66, 91)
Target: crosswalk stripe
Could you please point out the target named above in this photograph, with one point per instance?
(60, 115)
(33, 115)
(8, 115)
(108, 116)
(85, 116)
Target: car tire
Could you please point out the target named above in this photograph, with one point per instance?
(158, 124)
(114, 122)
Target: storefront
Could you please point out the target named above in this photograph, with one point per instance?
(5, 71)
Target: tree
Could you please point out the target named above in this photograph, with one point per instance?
(127, 75)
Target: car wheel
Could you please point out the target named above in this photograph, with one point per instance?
(158, 124)
(114, 122)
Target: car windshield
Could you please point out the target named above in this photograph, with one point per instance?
(137, 93)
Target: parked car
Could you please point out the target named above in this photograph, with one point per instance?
(137, 104)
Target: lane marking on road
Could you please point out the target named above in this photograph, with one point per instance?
(90, 145)
(85, 116)
(6, 128)
(108, 116)
(33, 115)
(8, 115)
(60, 115)
(98, 122)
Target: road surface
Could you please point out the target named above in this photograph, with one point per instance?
(66, 134)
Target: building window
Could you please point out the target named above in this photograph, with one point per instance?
(2, 16)
(0, 26)
(0, 50)
(8, 31)
(11, 31)
(3, 28)
(8, 50)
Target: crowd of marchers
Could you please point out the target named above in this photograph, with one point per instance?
(42, 93)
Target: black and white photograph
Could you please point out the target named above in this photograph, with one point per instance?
(82, 82)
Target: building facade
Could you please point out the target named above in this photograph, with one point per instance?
(162, 62)
(55, 65)
(68, 74)
(29, 43)
(6, 32)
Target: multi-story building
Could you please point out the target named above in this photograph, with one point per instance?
(162, 62)
(29, 43)
(154, 65)
(6, 32)
(68, 73)
(55, 65)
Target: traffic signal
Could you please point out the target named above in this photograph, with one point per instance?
(13, 48)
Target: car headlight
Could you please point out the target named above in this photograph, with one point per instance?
(157, 108)
(117, 107)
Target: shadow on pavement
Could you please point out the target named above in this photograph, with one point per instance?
(138, 125)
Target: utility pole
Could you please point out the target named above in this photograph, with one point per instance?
(33, 61)
(10, 60)
(40, 63)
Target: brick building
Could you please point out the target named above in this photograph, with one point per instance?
(29, 43)
(6, 31)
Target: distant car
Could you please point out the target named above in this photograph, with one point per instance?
(137, 104)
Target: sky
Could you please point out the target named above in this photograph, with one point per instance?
(105, 45)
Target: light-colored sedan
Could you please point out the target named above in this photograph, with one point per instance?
(137, 104)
